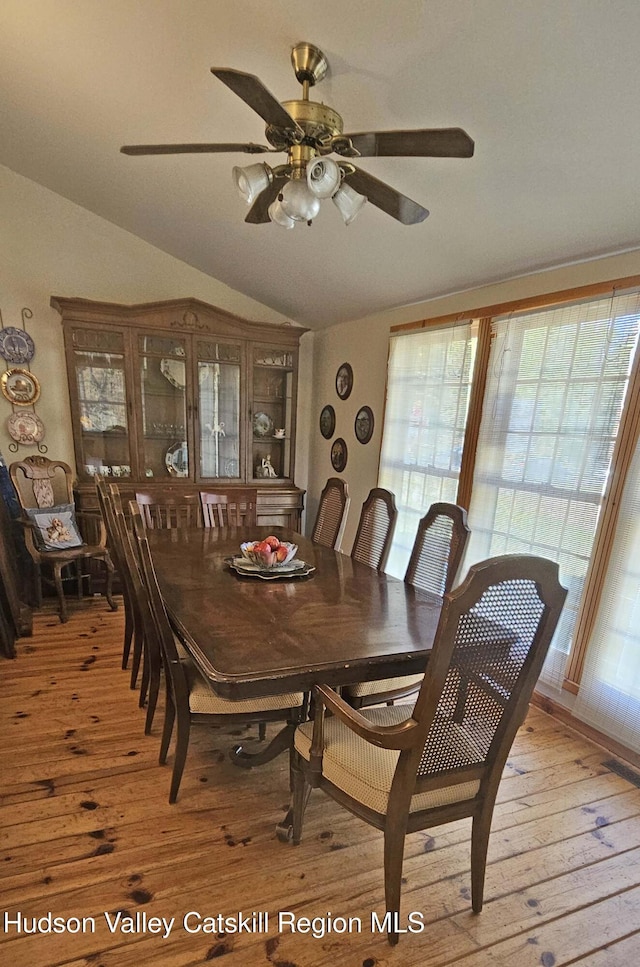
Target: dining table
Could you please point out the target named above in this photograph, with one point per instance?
(334, 621)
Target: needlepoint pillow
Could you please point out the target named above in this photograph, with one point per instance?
(55, 528)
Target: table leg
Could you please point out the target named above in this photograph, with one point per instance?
(279, 743)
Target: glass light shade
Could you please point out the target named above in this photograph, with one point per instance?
(253, 179)
(348, 202)
(298, 202)
(277, 215)
(323, 177)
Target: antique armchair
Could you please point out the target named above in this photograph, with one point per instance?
(404, 768)
(435, 559)
(189, 698)
(332, 513)
(56, 535)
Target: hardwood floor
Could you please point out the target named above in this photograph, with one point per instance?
(86, 831)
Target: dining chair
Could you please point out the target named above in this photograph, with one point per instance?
(189, 698)
(372, 542)
(115, 550)
(435, 558)
(408, 768)
(332, 513)
(56, 535)
(160, 511)
(130, 574)
(233, 508)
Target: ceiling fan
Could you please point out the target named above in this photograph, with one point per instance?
(309, 132)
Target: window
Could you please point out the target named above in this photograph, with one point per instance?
(427, 399)
(555, 388)
(544, 467)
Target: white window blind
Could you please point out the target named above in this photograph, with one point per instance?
(553, 399)
(609, 696)
(428, 385)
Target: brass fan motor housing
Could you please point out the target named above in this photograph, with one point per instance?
(318, 121)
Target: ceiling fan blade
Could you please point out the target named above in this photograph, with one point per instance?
(386, 198)
(427, 143)
(193, 148)
(253, 92)
(259, 211)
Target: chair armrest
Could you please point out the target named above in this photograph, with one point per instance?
(92, 527)
(401, 736)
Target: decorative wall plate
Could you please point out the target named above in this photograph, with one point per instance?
(344, 381)
(177, 460)
(16, 345)
(25, 428)
(339, 455)
(363, 425)
(20, 386)
(262, 425)
(328, 422)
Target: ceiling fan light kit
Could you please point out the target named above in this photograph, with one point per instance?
(308, 131)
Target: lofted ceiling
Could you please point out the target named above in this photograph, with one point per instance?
(548, 90)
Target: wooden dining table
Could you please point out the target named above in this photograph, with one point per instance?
(341, 623)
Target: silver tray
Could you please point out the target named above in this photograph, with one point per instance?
(294, 569)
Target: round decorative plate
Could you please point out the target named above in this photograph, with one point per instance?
(19, 386)
(262, 424)
(173, 370)
(25, 428)
(16, 345)
(177, 460)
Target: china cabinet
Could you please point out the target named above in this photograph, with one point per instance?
(180, 396)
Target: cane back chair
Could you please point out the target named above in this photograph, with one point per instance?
(372, 542)
(332, 513)
(435, 559)
(404, 768)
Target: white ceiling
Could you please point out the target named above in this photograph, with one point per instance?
(548, 89)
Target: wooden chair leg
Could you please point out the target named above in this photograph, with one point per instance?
(138, 651)
(57, 577)
(128, 629)
(109, 585)
(167, 728)
(262, 731)
(479, 846)
(152, 695)
(394, 835)
(180, 752)
(300, 792)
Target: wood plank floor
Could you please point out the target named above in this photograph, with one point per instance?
(86, 831)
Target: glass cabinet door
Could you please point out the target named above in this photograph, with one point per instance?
(272, 413)
(102, 427)
(163, 388)
(219, 370)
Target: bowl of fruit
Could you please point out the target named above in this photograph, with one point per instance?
(269, 553)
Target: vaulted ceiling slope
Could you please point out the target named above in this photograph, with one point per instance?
(547, 90)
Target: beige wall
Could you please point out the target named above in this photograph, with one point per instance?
(50, 246)
(364, 344)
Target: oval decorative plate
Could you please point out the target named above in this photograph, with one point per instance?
(25, 428)
(16, 345)
(262, 424)
(177, 460)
